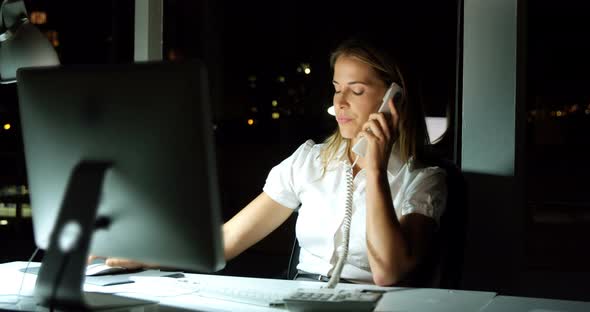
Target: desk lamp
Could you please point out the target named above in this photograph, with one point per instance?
(21, 43)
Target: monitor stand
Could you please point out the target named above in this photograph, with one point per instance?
(61, 277)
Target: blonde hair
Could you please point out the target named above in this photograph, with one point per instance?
(412, 125)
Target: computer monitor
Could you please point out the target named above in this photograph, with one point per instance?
(120, 162)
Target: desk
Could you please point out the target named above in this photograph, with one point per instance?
(397, 299)
(510, 303)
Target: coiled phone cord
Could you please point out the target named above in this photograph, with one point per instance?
(335, 278)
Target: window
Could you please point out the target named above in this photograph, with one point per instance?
(272, 83)
(558, 134)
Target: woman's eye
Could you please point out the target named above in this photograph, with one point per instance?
(360, 92)
(336, 91)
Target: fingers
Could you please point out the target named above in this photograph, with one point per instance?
(382, 121)
(91, 258)
(126, 263)
(377, 127)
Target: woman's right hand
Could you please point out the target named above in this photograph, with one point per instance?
(126, 263)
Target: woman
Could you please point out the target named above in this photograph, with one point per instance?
(396, 200)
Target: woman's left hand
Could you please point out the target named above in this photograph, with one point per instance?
(380, 132)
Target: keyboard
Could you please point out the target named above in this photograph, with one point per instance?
(256, 296)
(324, 299)
(301, 300)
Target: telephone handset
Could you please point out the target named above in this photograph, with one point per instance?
(394, 91)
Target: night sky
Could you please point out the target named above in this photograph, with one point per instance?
(268, 37)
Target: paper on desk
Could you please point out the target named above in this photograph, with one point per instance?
(149, 286)
(111, 279)
(115, 279)
(13, 280)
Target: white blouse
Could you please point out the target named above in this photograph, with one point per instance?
(297, 182)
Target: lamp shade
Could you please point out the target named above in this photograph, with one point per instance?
(27, 47)
(331, 110)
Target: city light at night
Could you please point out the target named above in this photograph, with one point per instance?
(38, 18)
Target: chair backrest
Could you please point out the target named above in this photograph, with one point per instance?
(445, 266)
(293, 260)
(449, 251)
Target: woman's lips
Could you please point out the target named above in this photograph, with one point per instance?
(343, 120)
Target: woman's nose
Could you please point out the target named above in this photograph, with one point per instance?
(340, 100)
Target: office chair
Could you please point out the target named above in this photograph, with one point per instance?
(293, 260)
(446, 261)
(443, 268)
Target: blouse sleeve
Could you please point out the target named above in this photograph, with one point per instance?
(426, 194)
(281, 181)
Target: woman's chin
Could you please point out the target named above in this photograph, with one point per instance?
(347, 134)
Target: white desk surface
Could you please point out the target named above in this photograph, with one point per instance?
(525, 304)
(397, 299)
